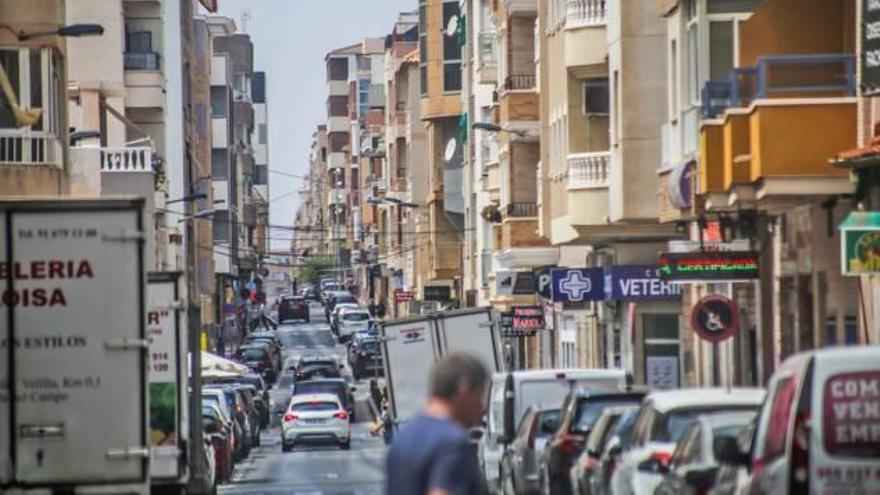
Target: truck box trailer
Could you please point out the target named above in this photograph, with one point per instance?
(411, 345)
(73, 341)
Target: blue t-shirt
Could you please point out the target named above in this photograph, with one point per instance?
(431, 453)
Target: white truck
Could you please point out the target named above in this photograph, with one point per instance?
(410, 346)
(73, 340)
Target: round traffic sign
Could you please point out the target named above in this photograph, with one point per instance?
(715, 318)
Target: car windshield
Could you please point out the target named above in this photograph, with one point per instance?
(672, 425)
(344, 299)
(318, 364)
(314, 406)
(550, 391)
(303, 388)
(352, 316)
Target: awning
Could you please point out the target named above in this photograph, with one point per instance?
(861, 220)
(211, 5)
(216, 366)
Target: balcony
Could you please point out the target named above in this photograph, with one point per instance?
(130, 160)
(773, 129)
(518, 101)
(520, 6)
(487, 65)
(520, 210)
(338, 124)
(26, 147)
(588, 170)
(144, 82)
(584, 13)
(519, 82)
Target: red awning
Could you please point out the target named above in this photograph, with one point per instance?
(211, 5)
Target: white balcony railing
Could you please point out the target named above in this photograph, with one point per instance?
(580, 13)
(588, 170)
(139, 159)
(29, 148)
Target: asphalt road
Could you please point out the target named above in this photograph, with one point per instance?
(313, 469)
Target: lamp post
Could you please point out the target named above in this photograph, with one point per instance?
(69, 31)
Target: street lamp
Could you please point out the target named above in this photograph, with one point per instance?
(188, 197)
(201, 214)
(490, 127)
(70, 31)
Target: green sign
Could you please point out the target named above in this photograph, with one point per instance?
(860, 244)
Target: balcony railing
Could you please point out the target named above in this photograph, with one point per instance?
(29, 148)
(515, 82)
(521, 210)
(791, 76)
(580, 13)
(138, 159)
(588, 170)
(141, 61)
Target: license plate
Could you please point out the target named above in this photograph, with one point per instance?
(313, 421)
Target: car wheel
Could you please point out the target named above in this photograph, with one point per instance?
(345, 445)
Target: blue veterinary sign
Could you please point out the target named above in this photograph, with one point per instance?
(611, 283)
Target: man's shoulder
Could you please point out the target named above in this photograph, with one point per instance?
(429, 429)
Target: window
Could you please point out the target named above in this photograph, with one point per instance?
(721, 49)
(423, 79)
(674, 80)
(10, 62)
(262, 133)
(693, 51)
(261, 175)
(221, 226)
(139, 42)
(596, 96)
(451, 50)
(618, 117)
(219, 164)
(219, 101)
(240, 83)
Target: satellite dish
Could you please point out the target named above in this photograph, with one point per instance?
(451, 146)
(452, 26)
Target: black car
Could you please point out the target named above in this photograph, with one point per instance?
(270, 339)
(262, 390)
(366, 359)
(311, 294)
(258, 357)
(578, 414)
(317, 367)
(336, 386)
(293, 308)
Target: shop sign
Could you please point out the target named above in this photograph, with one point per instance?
(437, 293)
(715, 318)
(697, 246)
(860, 243)
(870, 67)
(401, 295)
(515, 283)
(709, 266)
(577, 284)
(633, 283)
(544, 282)
(522, 321)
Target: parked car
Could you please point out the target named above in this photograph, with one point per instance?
(515, 391)
(220, 436)
(519, 465)
(586, 466)
(579, 412)
(317, 367)
(334, 315)
(249, 396)
(366, 359)
(819, 431)
(337, 386)
(351, 320)
(619, 441)
(233, 403)
(311, 294)
(262, 388)
(693, 466)
(293, 308)
(258, 357)
(315, 416)
(663, 419)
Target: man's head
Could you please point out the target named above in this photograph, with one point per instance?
(460, 381)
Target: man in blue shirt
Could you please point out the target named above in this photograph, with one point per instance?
(431, 454)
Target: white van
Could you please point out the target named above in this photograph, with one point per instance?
(819, 429)
(510, 394)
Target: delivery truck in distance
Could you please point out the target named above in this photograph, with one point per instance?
(411, 345)
(73, 346)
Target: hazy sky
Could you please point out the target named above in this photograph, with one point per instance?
(290, 40)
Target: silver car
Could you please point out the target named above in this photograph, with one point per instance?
(519, 466)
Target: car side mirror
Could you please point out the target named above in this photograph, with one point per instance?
(727, 451)
(700, 479)
(342, 366)
(353, 389)
(615, 450)
(475, 434)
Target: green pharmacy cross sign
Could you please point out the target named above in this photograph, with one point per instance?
(860, 243)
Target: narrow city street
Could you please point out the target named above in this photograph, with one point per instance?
(313, 469)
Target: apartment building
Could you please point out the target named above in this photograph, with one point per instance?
(310, 237)
(440, 80)
(33, 137)
(744, 162)
(260, 144)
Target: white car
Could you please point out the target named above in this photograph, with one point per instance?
(819, 431)
(662, 420)
(334, 315)
(315, 417)
(351, 321)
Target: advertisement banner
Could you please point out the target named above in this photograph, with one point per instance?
(718, 266)
(861, 251)
(163, 334)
